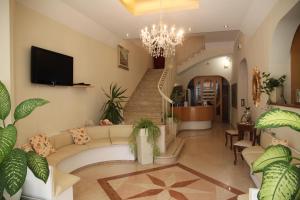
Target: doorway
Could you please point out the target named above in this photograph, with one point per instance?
(242, 87)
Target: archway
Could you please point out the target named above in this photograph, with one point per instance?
(213, 90)
(242, 87)
(280, 55)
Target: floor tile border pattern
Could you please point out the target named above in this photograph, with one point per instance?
(113, 195)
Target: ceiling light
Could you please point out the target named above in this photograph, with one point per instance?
(161, 40)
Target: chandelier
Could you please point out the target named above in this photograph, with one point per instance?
(161, 40)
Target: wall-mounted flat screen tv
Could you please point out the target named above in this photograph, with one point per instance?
(51, 68)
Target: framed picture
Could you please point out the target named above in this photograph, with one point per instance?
(234, 95)
(123, 57)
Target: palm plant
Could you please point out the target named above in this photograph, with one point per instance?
(112, 109)
(14, 161)
(281, 177)
(153, 133)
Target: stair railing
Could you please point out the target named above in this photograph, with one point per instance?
(165, 87)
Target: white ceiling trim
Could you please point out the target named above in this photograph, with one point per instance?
(56, 10)
(256, 15)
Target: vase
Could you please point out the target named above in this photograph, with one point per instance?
(276, 95)
(144, 148)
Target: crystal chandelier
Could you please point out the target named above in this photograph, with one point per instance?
(161, 40)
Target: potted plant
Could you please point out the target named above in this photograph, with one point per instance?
(273, 87)
(281, 177)
(112, 109)
(143, 141)
(14, 161)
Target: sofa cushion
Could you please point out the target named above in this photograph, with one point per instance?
(253, 149)
(65, 152)
(62, 139)
(266, 139)
(99, 143)
(251, 157)
(63, 181)
(119, 140)
(98, 132)
(120, 131)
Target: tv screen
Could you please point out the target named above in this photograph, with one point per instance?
(51, 68)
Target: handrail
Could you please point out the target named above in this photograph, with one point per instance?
(165, 87)
(159, 87)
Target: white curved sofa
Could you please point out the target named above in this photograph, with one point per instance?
(108, 143)
(252, 153)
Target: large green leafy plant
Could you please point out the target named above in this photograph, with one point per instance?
(153, 132)
(281, 178)
(14, 161)
(112, 109)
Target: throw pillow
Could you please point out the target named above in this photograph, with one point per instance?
(41, 145)
(278, 141)
(80, 136)
(26, 147)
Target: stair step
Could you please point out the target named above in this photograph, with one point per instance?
(172, 152)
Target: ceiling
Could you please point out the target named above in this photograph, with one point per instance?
(211, 15)
(110, 21)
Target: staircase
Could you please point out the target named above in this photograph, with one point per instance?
(146, 101)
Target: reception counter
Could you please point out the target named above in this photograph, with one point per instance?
(194, 117)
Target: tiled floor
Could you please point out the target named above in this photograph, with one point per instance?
(204, 152)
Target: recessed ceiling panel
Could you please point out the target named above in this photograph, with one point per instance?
(140, 7)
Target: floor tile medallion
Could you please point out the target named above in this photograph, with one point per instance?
(174, 182)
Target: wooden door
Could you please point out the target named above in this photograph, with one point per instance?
(159, 62)
(295, 65)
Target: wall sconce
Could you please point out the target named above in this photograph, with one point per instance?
(226, 62)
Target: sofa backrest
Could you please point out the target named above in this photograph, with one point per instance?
(121, 131)
(62, 139)
(266, 139)
(98, 132)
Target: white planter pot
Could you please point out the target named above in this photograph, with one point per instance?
(16, 196)
(144, 149)
(276, 95)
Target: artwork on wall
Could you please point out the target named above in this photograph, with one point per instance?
(123, 57)
(256, 86)
(234, 95)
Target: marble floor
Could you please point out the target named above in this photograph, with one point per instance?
(204, 152)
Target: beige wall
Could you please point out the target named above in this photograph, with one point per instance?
(6, 76)
(94, 63)
(256, 49)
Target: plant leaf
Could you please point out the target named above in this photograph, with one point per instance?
(281, 181)
(8, 138)
(279, 118)
(26, 107)
(272, 154)
(5, 104)
(14, 169)
(1, 184)
(38, 165)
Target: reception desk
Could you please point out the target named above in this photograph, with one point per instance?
(194, 117)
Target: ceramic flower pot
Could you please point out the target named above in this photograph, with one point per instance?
(276, 95)
(144, 148)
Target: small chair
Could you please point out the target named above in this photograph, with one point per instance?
(231, 133)
(244, 143)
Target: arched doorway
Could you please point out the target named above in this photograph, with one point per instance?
(281, 51)
(242, 87)
(211, 90)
